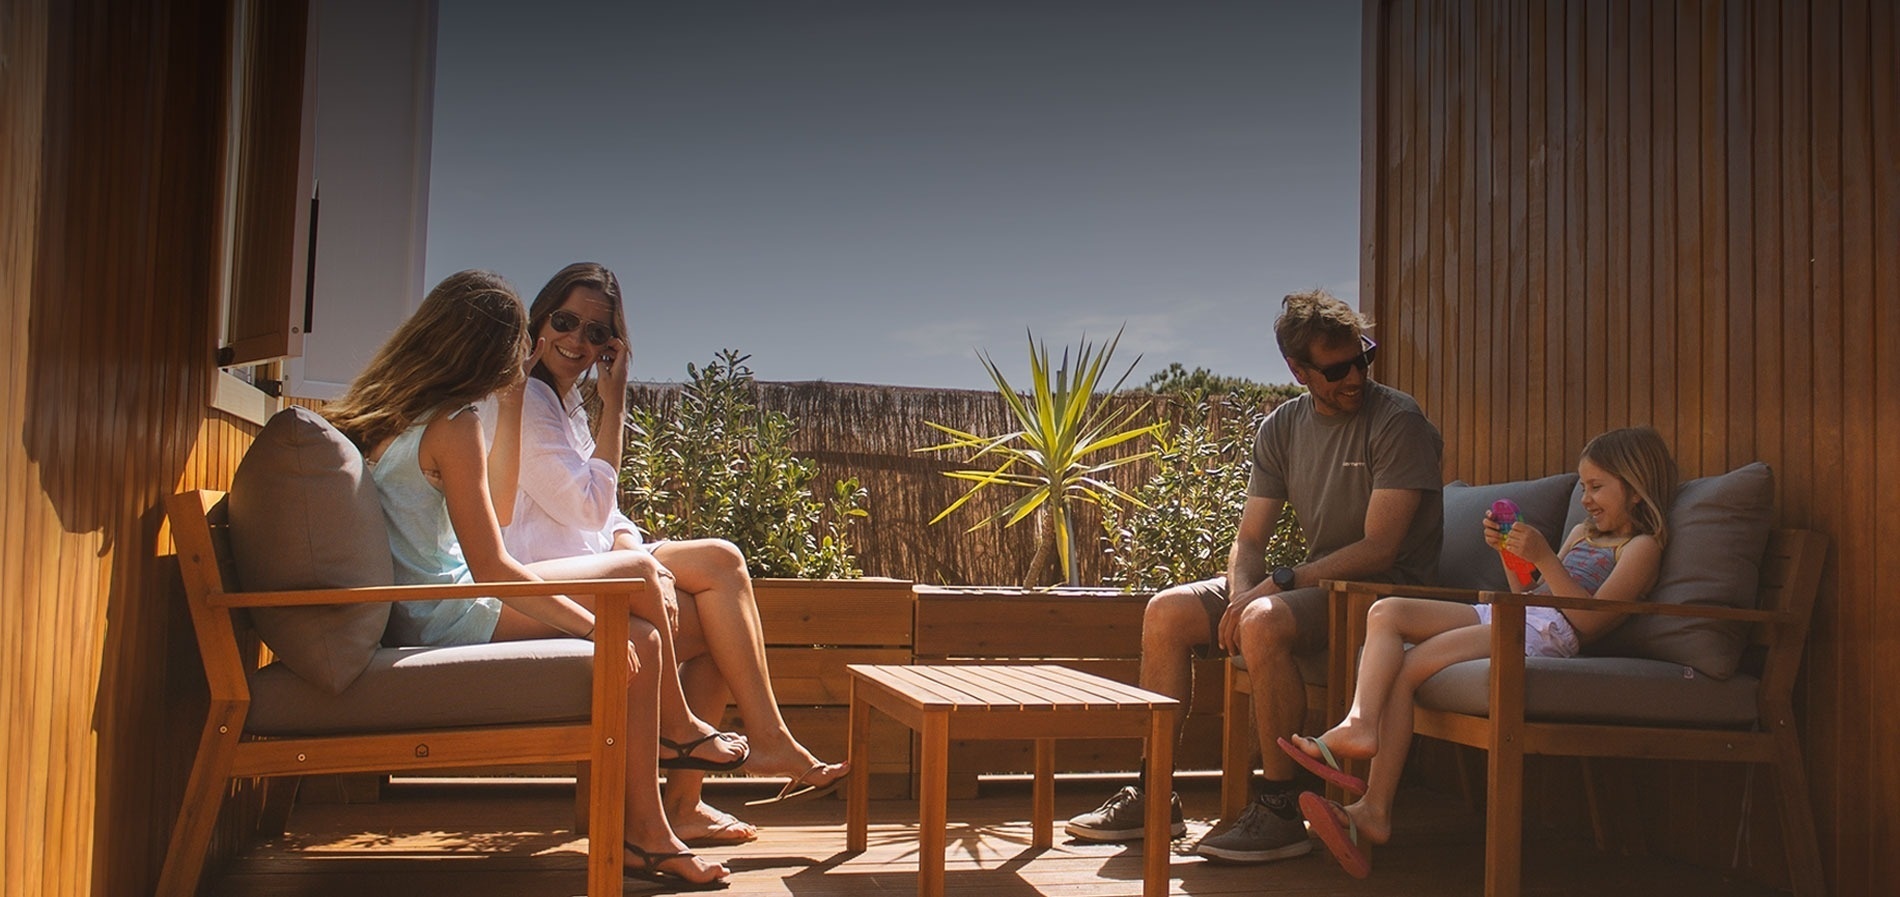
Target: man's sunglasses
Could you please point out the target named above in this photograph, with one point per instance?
(1368, 353)
(594, 332)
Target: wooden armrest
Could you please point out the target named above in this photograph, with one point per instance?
(368, 594)
(1387, 589)
(1703, 611)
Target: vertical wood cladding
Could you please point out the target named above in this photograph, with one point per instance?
(109, 227)
(1584, 215)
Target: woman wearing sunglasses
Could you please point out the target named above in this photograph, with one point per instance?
(567, 506)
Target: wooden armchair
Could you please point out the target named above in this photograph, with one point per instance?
(230, 749)
(1515, 718)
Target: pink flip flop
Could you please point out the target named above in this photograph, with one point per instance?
(1326, 768)
(1337, 831)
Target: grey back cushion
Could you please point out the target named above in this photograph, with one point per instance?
(1464, 561)
(1718, 529)
(304, 515)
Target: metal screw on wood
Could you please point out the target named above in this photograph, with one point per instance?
(422, 750)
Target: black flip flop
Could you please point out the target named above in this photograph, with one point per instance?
(798, 789)
(650, 871)
(683, 754)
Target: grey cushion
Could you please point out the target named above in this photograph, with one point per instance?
(1311, 664)
(500, 683)
(1465, 561)
(1718, 529)
(1610, 690)
(304, 515)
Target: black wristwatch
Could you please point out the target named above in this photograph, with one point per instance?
(1283, 577)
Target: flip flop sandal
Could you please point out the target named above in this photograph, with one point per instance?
(1327, 767)
(798, 789)
(649, 870)
(683, 754)
(1337, 831)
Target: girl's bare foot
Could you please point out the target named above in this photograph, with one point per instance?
(672, 863)
(1351, 738)
(1375, 825)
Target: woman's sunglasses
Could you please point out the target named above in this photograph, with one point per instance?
(594, 332)
(1368, 353)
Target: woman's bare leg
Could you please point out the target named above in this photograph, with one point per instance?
(691, 817)
(712, 576)
(677, 722)
(646, 825)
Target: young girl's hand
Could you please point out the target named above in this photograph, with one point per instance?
(1526, 542)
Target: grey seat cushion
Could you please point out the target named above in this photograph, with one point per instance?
(1608, 690)
(1312, 665)
(304, 515)
(500, 683)
(1465, 561)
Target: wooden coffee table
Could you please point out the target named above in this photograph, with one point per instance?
(986, 701)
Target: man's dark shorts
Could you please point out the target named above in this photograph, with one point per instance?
(1308, 606)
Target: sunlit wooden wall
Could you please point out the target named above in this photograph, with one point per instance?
(1583, 215)
(109, 178)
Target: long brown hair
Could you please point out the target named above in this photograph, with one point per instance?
(554, 294)
(465, 342)
(1639, 457)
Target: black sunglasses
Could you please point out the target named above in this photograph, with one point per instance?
(594, 332)
(1368, 353)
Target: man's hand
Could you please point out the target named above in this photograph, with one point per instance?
(1230, 621)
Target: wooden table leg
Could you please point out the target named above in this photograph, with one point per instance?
(857, 811)
(1042, 813)
(1158, 843)
(932, 799)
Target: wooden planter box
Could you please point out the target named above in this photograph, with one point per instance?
(1090, 629)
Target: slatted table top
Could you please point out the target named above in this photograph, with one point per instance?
(1006, 687)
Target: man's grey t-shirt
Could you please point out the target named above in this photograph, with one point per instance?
(1326, 466)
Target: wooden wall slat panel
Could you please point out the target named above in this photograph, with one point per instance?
(1608, 328)
(1883, 827)
(1711, 188)
(1765, 188)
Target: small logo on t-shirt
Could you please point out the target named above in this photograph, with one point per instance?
(1353, 464)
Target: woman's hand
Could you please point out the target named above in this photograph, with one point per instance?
(612, 366)
(661, 602)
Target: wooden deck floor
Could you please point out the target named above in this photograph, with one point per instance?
(483, 839)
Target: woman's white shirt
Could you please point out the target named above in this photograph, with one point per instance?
(567, 504)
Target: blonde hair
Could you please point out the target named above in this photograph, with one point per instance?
(1640, 459)
(467, 340)
(1316, 315)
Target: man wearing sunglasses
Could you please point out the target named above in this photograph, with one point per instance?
(1360, 464)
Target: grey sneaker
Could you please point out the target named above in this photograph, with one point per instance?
(1120, 818)
(1259, 835)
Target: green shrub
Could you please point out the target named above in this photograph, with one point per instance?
(1184, 526)
(717, 464)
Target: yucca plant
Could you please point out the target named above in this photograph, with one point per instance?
(1058, 452)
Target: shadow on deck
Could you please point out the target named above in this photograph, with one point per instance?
(493, 837)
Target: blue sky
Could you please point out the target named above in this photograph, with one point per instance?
(872, 191)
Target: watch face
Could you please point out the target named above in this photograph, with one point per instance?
(1283, 577)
